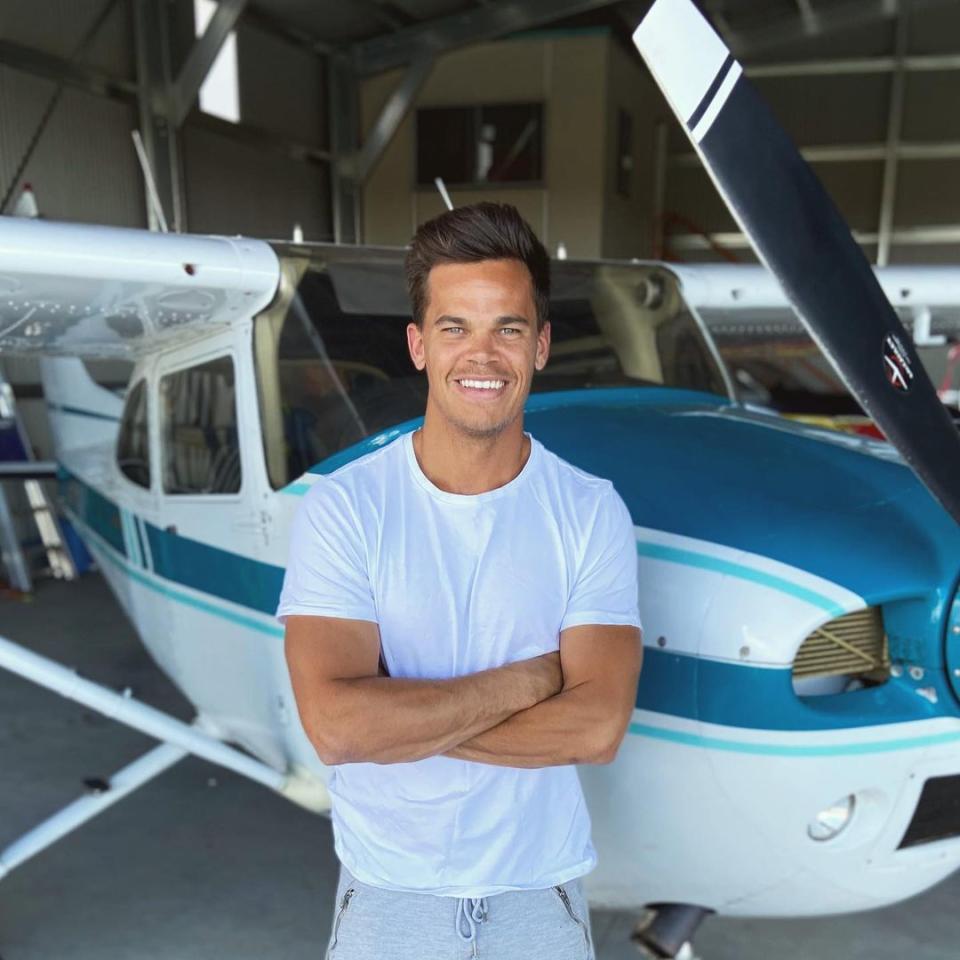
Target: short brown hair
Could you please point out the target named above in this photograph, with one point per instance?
(470, 234)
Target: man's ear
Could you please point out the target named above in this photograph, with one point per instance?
(415, 346)
(543, 346)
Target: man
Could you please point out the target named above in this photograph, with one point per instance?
(498, 585)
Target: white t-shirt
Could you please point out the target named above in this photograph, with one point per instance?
(458, 584)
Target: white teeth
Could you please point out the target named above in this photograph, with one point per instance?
(483, 384)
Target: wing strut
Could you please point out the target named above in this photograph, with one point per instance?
(64, 821)
(179, 739)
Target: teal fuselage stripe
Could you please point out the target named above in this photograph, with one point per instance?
(81, 412)
(686, 686)
(231, 615)
(97, 512)
(295, 489)
(229, 576)
(792, 750)
(691, 558)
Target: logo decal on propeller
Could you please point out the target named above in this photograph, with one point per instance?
(896, 365)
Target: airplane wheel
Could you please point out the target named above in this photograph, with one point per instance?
(665, 931)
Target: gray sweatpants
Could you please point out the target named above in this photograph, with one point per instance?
(370, 923)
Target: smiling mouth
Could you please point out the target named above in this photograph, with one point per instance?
(471, 383)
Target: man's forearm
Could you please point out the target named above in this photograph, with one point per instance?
(571, 727)
(396, 720)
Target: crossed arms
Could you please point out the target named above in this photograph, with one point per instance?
(572, 706)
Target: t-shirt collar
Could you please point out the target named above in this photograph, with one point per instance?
(469, 498)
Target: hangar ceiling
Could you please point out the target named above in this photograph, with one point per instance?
(856, 89)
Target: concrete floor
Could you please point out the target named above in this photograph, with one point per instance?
(202, 864)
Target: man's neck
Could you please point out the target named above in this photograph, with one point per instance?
(458, 463)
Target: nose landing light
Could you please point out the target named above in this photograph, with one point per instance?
(831, 821)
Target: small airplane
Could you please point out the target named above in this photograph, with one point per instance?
(796, 739)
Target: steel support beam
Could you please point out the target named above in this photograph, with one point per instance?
(854, 66)
(284, 30)
(391, 116)
(855, 153)
(829, 18)
(931, 236)
(458, 30)
(65, 71)
(894, 125)
(343, 110)
(201, 57)
(661, 139)
(808, 16)
(161, 138)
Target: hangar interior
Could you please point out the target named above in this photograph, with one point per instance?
(328, 121)
(337, 114)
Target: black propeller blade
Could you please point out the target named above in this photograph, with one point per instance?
(801, 237)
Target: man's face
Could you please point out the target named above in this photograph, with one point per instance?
(479, 343)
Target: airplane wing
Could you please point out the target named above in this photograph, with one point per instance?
(799, 235)
(94, 291)
(739, 298)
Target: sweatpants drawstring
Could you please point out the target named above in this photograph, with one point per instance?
(474, 911)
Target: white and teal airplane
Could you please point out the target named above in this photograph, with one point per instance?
(795, 747)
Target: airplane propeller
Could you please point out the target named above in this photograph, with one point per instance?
(800, 236)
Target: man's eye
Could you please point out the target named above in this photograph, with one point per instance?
(452, 329)
(509, 329)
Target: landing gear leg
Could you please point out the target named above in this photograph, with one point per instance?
(666, 932)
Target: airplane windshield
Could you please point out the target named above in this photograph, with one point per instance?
(333, 365)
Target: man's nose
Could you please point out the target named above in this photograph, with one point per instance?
(482, 346)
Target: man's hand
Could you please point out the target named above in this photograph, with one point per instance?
(351, 714)
(587, 721)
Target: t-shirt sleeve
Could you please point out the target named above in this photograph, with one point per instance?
(605, 587)
(326, 573)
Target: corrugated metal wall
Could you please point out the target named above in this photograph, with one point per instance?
(261, 190)
(238, 188)
(84, 167)
(57, 26)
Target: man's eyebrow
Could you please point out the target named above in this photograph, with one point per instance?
(506, 321)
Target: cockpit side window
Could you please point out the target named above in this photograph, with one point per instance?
(200, 441)
(685, 362)
(340, 377)
(133, 441)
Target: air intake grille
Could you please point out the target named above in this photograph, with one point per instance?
(938, 813)
(852, 644)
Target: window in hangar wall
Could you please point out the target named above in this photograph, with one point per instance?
(220, 92)
(494, 143)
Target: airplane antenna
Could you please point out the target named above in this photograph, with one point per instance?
(442, 187)
(152, 195)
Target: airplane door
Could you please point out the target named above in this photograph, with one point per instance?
(210, 538)
(133, 487)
